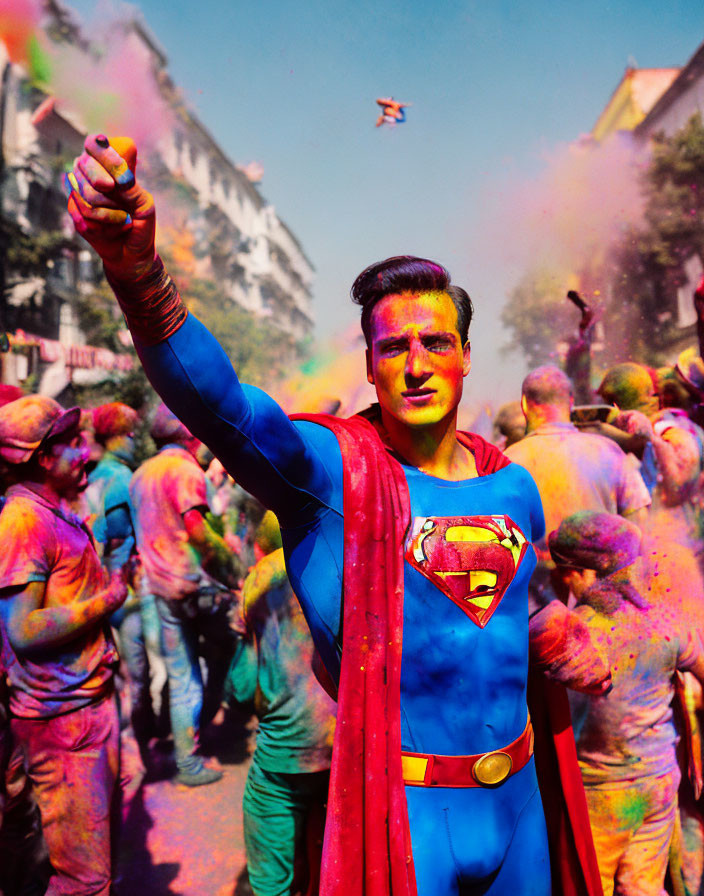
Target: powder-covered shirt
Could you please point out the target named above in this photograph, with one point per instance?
(108, 490)
(162, 490)
(296, 716)
(578, 471)
(629, 733)
(40, 543)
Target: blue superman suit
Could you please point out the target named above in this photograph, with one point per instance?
(465, 627)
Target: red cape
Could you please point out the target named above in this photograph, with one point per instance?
(367, 849)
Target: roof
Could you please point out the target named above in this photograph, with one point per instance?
(689, 75)
(635, 95)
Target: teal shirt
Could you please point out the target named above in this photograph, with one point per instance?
(108, 498)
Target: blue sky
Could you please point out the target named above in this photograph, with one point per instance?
(494, 86)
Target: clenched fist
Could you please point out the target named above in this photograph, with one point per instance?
(109, 208)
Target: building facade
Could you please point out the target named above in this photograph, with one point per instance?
(229, 232)
(634, 97)
(648, 102)
(683, 98)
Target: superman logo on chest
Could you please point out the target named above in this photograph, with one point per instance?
(471, 559)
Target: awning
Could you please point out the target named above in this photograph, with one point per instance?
(82, 356)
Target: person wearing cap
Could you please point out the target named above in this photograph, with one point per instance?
(21, 843)
(644, 604)
(57, 648)
(287, 783)
(573, 470)
(190, 570)
(20, 829)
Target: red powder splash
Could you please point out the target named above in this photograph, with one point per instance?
(117, 92)
(19, 20)
(113, 83)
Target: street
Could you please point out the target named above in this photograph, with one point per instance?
(178, 841)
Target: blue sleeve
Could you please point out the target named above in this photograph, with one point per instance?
(245, 429)
(100, 532)
(117, 497)
(118, 524)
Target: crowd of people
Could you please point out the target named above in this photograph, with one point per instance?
(151, 561)
(623, 505)
(476, 667)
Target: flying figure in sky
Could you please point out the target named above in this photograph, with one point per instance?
(391, 111)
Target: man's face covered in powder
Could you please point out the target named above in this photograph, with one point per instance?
(416, 361)
(64, 460)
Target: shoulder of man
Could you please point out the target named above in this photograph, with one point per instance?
(598, 443)
(531, 440)
(16, 508)
(163, 463)
(27, 534)
(487, 457)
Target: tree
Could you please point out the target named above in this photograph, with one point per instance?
(259, 351)
(99, 317)
(637, 277)
(30, 254)
(648, 262)
(537, 315)
(674, 189)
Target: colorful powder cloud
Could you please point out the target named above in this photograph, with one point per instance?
(571, 212)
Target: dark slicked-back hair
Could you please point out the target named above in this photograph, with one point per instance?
(407, 273)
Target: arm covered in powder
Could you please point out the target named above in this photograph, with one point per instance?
(564, 648)
(246, 429)
(32, 626)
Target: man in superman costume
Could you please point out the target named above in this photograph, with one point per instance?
(408, 545)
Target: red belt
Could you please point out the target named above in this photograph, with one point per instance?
(479, 770)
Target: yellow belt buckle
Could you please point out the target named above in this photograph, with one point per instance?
(492, 769)
(413, 769)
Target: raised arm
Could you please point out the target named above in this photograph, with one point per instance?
(247, 431)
